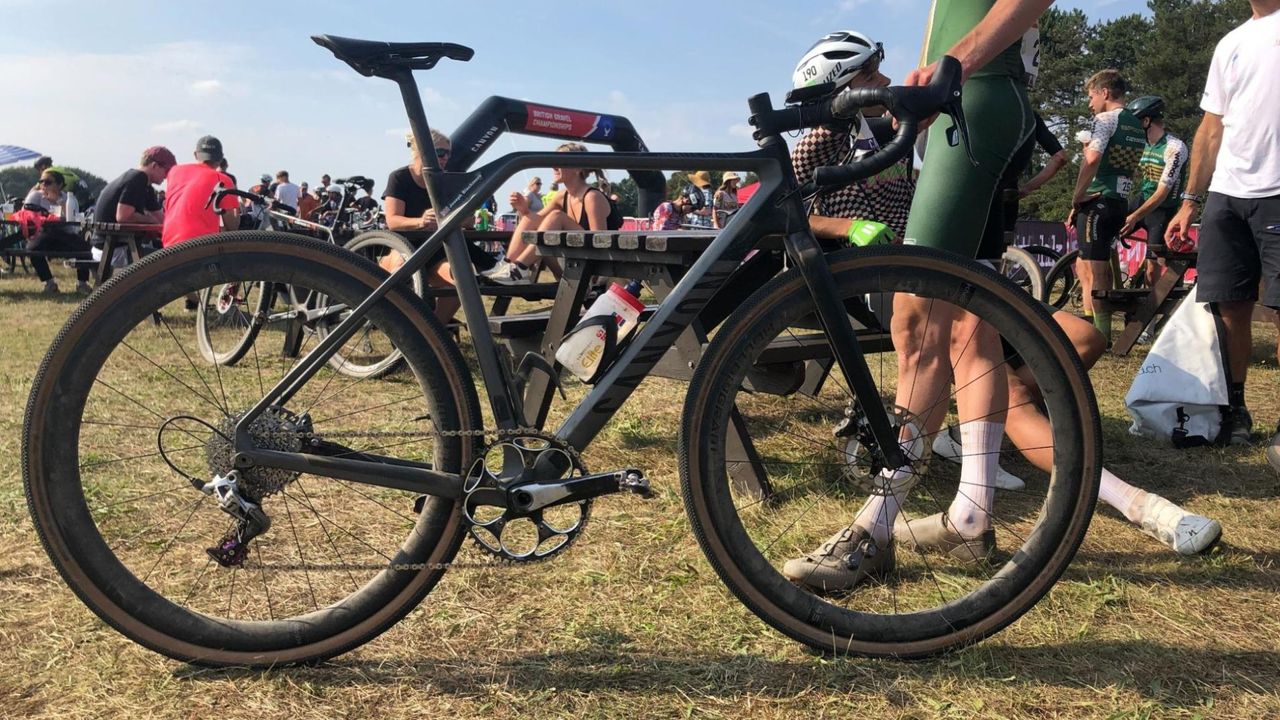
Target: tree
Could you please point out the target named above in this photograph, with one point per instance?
(1177, 52)
(628, 196)
(1119, 44)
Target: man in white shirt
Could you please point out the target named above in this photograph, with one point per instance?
(1238, 147)
(286, 192)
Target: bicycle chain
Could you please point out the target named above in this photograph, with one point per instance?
(493, 562)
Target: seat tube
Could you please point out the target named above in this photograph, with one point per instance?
(804, 251)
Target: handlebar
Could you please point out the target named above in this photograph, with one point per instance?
(910, 106)
(219, 192)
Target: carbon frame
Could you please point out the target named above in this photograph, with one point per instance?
(775, 207)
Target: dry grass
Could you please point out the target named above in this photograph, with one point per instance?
(632, 622)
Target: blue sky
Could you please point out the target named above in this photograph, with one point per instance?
(107, 79)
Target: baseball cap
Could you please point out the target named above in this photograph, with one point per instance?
(702, 178)
(209, 148)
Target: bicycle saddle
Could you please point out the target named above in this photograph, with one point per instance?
(373, 57)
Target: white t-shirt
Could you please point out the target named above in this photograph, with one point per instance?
(1244, 88)
(287, 193)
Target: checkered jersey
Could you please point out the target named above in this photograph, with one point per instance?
(885, 197)
(1119, 137)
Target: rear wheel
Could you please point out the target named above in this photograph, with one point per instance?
(764, 374)
(123, 420)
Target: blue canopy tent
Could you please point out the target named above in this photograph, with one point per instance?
(10, 154)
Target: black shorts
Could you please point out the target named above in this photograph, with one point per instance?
(1155, 223)
(1098, 224)
(1238, 251)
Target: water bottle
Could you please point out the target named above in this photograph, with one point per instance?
(582, 351)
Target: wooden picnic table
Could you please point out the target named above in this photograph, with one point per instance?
(1144, 306)
(119, 235)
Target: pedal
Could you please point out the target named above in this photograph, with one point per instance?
(634, 481)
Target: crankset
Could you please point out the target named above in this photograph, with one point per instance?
(528, 497)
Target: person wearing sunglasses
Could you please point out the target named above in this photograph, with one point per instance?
(50, 197)
(408, 210)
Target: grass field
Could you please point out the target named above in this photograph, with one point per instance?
(633, 622)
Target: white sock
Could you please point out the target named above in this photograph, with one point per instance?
(970, 512)
(880, 511)
(1122, 496)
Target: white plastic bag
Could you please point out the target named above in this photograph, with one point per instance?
(1181, 389)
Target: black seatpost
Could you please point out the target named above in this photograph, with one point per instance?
(421, 131)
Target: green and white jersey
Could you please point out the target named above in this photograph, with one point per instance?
(1164, 162)
(1119, 136)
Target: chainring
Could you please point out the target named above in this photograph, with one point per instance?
(521, 538)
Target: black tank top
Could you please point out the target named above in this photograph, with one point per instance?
(582, 219)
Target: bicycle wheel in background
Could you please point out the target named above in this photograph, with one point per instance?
(369, 354)
(1044, 255)
(124, 424)
(228, 319)
(758, 375)
(1022, 268)
(1060, 284)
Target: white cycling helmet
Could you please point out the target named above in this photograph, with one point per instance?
(837, 57)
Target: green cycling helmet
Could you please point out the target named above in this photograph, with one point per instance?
(1147, 106)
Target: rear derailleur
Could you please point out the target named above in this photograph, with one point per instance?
(233, 549)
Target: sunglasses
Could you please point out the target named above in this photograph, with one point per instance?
(442, 152)
(47, 181)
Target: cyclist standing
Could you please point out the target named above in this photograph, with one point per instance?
(1238, 146)
(953, 200)
(1164, 172)
(1101, 200)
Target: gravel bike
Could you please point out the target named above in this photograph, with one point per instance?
(277, 511)
(230, 316)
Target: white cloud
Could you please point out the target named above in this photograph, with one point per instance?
(176, 126)
(204, 88)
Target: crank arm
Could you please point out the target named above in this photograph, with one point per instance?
(529, 497)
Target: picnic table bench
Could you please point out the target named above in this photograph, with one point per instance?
(130, 236)
(1143, 306)
(659, 260)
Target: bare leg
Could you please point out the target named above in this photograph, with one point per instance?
(555, 220)
(1237, 319)
(1099, 279)
(1031, 433)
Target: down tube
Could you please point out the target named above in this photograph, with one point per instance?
(687, 299)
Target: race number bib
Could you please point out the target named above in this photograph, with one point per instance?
(1031, 56)
(1124, 185)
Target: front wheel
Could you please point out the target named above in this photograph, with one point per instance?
(767, 377)
(124, 424)
(1060, 284)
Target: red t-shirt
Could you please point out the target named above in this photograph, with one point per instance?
(187, 191)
